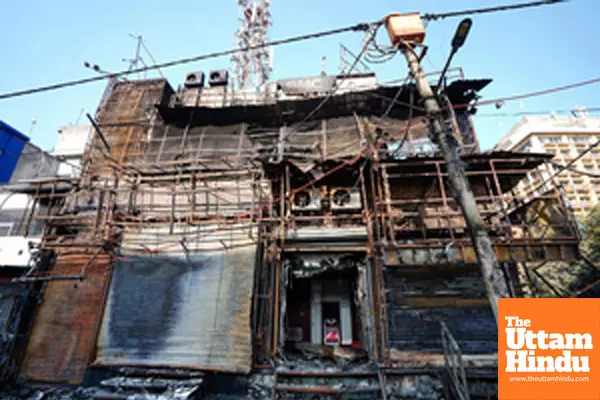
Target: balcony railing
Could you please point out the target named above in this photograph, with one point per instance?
(454, 364)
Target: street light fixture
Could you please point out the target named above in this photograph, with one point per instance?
(457, 42)
(461, 34)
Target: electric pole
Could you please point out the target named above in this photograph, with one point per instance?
(461, 189)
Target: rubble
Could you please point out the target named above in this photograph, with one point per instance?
(412, 359)
(421, 387)
(261, 386)
(149, 383)
(24, 392)
(333, 354)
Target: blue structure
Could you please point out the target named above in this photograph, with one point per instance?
(11, 146)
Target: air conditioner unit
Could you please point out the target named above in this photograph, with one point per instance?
(306, 200)
(194, 80)
(345, 199)
(218, 77)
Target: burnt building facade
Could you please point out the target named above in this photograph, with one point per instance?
(233, 233)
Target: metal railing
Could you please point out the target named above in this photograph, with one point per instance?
(453, 363)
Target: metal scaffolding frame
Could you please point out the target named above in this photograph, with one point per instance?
(185, 174)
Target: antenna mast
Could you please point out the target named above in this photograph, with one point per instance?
(135, 62)
(252, 69)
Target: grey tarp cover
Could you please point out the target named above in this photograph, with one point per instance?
(175, 311)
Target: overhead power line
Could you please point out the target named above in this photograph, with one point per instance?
(529, 94)
(575, 170)
(436, 16)
(336, 85)
(538, 112)
(566, 166)
(143, 43)
(357, 27)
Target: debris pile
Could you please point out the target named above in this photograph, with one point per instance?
(47, 393)
(261, 386)
(422, 387)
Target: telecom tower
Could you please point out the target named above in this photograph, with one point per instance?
(252, 69)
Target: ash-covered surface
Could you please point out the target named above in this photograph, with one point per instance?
(87, 393)
(257, 386)
(47, 393)
(421, 387)
(313, 357)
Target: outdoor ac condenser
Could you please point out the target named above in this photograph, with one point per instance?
(306, 200)
(345, 199)
(194, 80)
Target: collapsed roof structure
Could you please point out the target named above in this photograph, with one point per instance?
(236, 232)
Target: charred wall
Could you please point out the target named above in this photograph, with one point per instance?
(418, 302)
(63, 340)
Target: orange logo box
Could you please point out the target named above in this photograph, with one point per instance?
(549, 349)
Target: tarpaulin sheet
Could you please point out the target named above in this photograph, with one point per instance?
(181, 311)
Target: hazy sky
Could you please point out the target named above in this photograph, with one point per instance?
(45, 42)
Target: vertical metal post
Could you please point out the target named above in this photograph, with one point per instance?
(388, 204)
(500, 198)
(324, 139)
(448, 217)
(492, 274)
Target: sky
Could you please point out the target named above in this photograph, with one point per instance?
(46, 42)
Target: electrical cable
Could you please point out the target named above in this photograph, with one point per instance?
(410, 118)
(436, 16)
(337, 84)
(397, 95)
(567, 165)
(528, 94)
(356, 27)
(151, 58)
(574, 170)
(546, 112)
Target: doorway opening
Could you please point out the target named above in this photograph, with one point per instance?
(323, 310)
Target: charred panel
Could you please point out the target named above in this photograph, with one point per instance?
(417, 304)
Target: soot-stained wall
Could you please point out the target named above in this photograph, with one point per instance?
(173, 311)
(417, 304)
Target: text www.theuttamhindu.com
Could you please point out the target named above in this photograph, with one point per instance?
(549, 379)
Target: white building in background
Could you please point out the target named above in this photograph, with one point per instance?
(19, 234)
(566, 137)
(69, 149)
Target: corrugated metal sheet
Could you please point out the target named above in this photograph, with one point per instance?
(182, 311)
(66, 324)
(417, 304)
